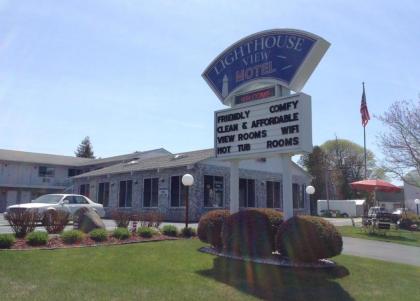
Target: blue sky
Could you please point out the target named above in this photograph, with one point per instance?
(128, 73)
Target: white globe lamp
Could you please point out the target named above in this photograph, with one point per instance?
(310, 189)
(187, 180)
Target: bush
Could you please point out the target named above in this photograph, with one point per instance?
(149, 219)
(146, 232)
(121, 233)
(37, 238)
(6, 241)
(409, 220)
(55, 221)
(188, 232)
(72, 236)
(170, 230)
(22, 221)
(121, 218)
(210, 227)
(247, 233)
(98, 235)
(276, 219)
(308, 238)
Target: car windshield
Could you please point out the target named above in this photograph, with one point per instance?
(48, 199)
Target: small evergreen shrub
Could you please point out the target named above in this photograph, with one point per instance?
(98, 235)
(72, 236)
(188, 232)
(146, 232)
(6, 241)
(247, 233)
(170, 230)
(308, 238)
(276, 219)
(210, 227)
(37, 238)
(121, 233)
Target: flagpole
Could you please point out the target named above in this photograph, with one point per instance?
(364, 139)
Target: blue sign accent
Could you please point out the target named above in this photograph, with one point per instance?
(276, 54)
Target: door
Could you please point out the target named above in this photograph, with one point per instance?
(3, 204)
(11, 198)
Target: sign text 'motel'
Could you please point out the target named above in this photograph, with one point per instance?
(284, 56)
(282, 125)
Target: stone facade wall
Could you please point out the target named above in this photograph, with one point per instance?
(196, 192)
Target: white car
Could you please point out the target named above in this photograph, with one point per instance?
(70, 203)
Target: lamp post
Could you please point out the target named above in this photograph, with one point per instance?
(187, 181)
(417, 202)
(310, 190)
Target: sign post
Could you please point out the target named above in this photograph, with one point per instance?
(254, 77)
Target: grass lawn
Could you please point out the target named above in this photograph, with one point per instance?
(396, 236)
(175, 270)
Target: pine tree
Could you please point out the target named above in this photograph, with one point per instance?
(85, 149)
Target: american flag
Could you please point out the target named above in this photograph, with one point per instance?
(364, 109)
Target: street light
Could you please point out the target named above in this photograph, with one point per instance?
(187, 180)
(310, 190)
(417, 202)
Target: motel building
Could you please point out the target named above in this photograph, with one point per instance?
(149, 181)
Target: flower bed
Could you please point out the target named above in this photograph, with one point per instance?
(55, 242)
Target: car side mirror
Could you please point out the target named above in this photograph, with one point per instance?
(65, 202)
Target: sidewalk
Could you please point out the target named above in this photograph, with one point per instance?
(381, 250)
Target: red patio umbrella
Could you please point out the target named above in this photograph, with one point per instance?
(374, 185)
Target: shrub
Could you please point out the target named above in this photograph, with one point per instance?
(55, 221)
(22, 221)
(170, 230)
(210, 227)
(188, 232)
(408, 220)
(72, 236)
(121, 233)
(247, 233)
(6, 241)
(308, 238)
(276, 219)
(121, 218)
(98, 235)
(149, 219)
(37, 238)
(146, 232)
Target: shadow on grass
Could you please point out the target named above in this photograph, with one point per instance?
(389, 237)
(279, 283)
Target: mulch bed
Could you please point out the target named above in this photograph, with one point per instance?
(275, 259)
(55, 242)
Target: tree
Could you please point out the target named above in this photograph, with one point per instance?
(85, 149)
(400, 142)
(315, 165)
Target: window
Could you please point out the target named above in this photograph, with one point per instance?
(103, 194)
(247, 192)
(73, 172)
(150, 192)
(273, 194)
(126, 191)
(84, 189)
(46, 171)
(298, 196)
(213, 191)
(178, 192)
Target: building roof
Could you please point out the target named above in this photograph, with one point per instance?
(29, 157)
(122, 158)
(160, 162)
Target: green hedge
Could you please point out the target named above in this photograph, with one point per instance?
(98, 235)
(308, 238)
(247, 233)
(170, 230)
(121, 233)
(146, 232)
(210, 227)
